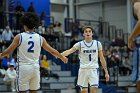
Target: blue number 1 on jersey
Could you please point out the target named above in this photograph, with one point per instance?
(89, 57)
(30, 49)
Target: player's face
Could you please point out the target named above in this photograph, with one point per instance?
(88, 33)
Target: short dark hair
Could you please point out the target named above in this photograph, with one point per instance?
(31, 20)
(85, 27)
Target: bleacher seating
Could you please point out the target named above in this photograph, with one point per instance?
(126, 83)
(65, 82)
(131, 89)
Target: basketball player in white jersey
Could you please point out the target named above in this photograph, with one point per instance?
(136, 30)
(131, 45)
(89, 50)
(29, 46)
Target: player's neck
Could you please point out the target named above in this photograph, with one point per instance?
(29, 30)
(88, 40)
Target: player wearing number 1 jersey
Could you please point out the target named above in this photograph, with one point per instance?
(29, 46)
(89, 50)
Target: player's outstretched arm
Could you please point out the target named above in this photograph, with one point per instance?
(53, 51)
(103, 62)
(69, 51)
(12, 46)
(136, 29)
(133, 35)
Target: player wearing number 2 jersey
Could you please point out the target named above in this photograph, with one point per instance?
(89, 50)
(29, 46)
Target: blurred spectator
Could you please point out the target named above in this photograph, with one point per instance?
(126, 67)
(112, 64)
(5, 62)
(41, 29)
(1, 13)
(31, 7)
(19, 8)
(75, 30)
(13, 61)
(110, 59)
(46, 69)
(45, 63)
(74, 57)
(59, 33)
(43, 19)
(74, 40)
(7, 36)
(19, 12)
(2, 72)
(118, 42)
(113, 60)
(58, 28)
(50, 30)
(10, 76)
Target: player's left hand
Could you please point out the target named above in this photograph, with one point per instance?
(107, 76)
(64, 59)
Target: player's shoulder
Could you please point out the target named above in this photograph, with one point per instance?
(30, 33)
(17, 35)
(22, 33)
(80, 42)
(27, 32)
(97, 41)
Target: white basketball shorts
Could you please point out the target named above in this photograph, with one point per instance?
(88, 76)
(28, 77)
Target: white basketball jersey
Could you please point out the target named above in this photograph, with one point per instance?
(88, 53)
(29, 48)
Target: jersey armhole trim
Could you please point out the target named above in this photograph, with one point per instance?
(20, 40)
(40, 41)
(80, 46)
(97, 46)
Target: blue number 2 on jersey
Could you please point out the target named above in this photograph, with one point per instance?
(30, 49)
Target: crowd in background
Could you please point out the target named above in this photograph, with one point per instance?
(118, 56)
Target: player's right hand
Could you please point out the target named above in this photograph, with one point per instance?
(64, 59)
(0, 56)
(130, 44)
(107, 77)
